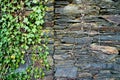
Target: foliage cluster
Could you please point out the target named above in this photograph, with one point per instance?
(21, 35)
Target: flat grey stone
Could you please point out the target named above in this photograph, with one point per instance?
(116, 66)
(69, 72)
(84, 40)
(108, 38)
(77, 1)
(64, 63)
(85, 74)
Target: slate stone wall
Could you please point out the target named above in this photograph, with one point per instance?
(86, 40)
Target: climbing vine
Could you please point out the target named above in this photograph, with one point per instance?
(21, 36)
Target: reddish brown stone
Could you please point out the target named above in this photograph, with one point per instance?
(49, 24)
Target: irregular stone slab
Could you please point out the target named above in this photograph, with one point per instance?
(116, 67)
(61, 2)
(94, 65)
(106, 75)
(69, 72)
(61, 78)
(47, 78)
(65, 79)
(50, 60)
(71, 9)
(67, 47)
(62, 57)
(108, 38)
(58, 10)
(104, 57)
(74, 9)
(112, 18)
(85, 78)
(104, 49)
(64, 63)
(85, 74)
(118, 60)
(84, 40)
(77, 1)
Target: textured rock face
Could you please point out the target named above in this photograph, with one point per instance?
(78, 25)
(104, 49)
(68, 72)
(71, 9)
(74, 26)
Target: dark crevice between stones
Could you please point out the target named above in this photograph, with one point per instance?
(119, 52)
(115, 0)
(70, 1)
(63, 42)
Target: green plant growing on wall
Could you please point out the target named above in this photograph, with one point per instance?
(20, 32)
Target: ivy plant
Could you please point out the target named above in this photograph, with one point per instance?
(21, 34)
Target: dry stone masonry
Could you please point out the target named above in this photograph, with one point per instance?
(84, 39)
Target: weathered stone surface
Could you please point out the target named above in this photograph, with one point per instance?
(67, 47)
(56, 27)
(103, 57)
(112, 18)
(66, 63)
(106, 78)
(86, 78)
(84, 40)
(104, 49)
(62, 57)
(50, 60)
(116, 67)
(78, 23)
(95, 27)
(118, 60)
(58, 10)
(108, 38)
(94, 65)
(61, 2)
(77, 1)
(60, 51)
(61, 79)
(106, 75)
(84, 75)
(69, 72)
(84, 57)
(47, 78)
(71, 9)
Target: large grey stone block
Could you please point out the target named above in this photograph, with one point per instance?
(69, 72)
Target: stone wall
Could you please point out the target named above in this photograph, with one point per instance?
(87, 40)
(84, 39)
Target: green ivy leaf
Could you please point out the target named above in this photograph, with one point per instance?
(38, 11)
(23, 61)
(35, 1)
(38, 23)
(34, 30)
(46, 52)
(26, 20)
